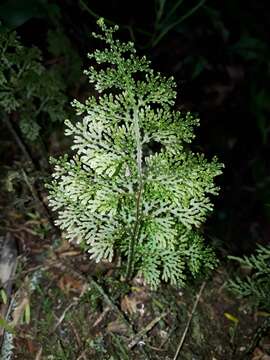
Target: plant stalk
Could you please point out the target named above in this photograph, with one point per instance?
(136, 229)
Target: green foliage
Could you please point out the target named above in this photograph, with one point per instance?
(29, 91)
(255, 287)
(133, 189)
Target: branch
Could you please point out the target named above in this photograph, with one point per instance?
(18, 140)
(145, 330)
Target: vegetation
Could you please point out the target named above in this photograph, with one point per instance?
(55, 302)
(256, 286)
(29, 93)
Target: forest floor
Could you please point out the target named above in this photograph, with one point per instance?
(67, 307)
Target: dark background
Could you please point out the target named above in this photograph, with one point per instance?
(219, 55)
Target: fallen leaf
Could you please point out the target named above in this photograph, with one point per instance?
(129, 304)
(231, 317)
(69, 284)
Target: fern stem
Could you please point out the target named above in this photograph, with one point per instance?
(138, 142)
(135, 235)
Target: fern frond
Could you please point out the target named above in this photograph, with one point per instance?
(27, 87)
(255, 287)
(133, 187)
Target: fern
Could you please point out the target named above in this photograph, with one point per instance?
(27, 87)
(132, 188)
(255, 287)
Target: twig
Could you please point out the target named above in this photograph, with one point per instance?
(115, 308)
(77, 336)
(105, 297)
(18, 140)
(101, 317)
(167, 338)
(37, 198)
(62, 317)
(39, 353)
(145, 330)
(29, 158)
(110, 303)
(189, 321)
(82, 356)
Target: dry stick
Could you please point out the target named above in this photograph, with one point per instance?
(37, 198)
(116, 309)
(102, 316)
(109, 301)
(145, 330)
(39, 353)
(18, 140)
(35, 195)
(29, 158)
(106, 298)
(166, 339)
(77, 336)
(62, 317)
(82, 356)
(189, 321)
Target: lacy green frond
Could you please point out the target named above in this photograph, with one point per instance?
(27, 88)
(255, 286)
(133, 189)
